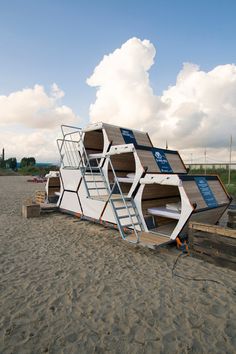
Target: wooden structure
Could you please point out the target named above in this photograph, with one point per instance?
(115, 175)
(213, 243)
(232, 219)
(53, 187)
(30, 210)
(40, 197)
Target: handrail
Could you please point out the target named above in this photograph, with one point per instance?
(77, 157)
(123, 199)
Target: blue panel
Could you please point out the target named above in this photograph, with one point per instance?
(206, 192)
(128, 136)
(161, 160)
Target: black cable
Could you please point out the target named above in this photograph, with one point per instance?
(189, 278)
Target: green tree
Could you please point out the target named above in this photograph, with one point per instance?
(27, 161)
(31, 161)
(11, 163)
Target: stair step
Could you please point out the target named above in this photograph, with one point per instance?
(124, 207)
(126, 216)
(95, 181)
(120, 199)
(92, 173)
(128, 225)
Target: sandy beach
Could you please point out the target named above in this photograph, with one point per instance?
(70, 286)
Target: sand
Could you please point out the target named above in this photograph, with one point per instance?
(70, 286)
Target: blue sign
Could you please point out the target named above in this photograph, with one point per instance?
(128, 136)
(206, 192)
(161, 160)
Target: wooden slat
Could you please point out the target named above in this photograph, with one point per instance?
(209, 216)
(218, 191)
(175, 163)
(149, 239)
(40, 197)
(142, 138)
(124, 162)
(158, 191)
(215, 229)
(147, 160)
(114, 134)
(94, 140)
(213, 243)
(194, 194)
(54, 181)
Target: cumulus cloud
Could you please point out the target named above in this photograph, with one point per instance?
(38, 143)
(34, 108)
(201, 106)
(124, 95)
(30, 121)
(198, 111)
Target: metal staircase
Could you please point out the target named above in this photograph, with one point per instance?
(74, 156)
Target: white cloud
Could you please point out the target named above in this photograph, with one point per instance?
(30, 121)
(34, 108)
(198, 111)
(124, 95)
(39, 143)
(201, 107)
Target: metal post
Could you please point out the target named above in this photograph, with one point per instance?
(230, 156)
(205, 154)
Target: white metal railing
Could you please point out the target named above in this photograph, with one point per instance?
(74, 156)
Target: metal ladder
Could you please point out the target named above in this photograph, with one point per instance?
(95, 181)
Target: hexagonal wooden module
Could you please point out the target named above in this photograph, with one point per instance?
(116, 176)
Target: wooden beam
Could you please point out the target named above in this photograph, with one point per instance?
(213, 229)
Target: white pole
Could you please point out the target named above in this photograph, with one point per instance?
(230, 155)
(205, 154)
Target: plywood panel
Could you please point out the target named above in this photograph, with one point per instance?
(175, 163)
(54, 181)
(147, 160)
(157, 191)
(142, 138)
(124, 162)
(218, 191)
(94, 140)
(213, 243)
(114, 134)
(149, 239)
(210, 216)
(194, 194)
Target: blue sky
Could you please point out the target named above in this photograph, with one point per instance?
(62, 41)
